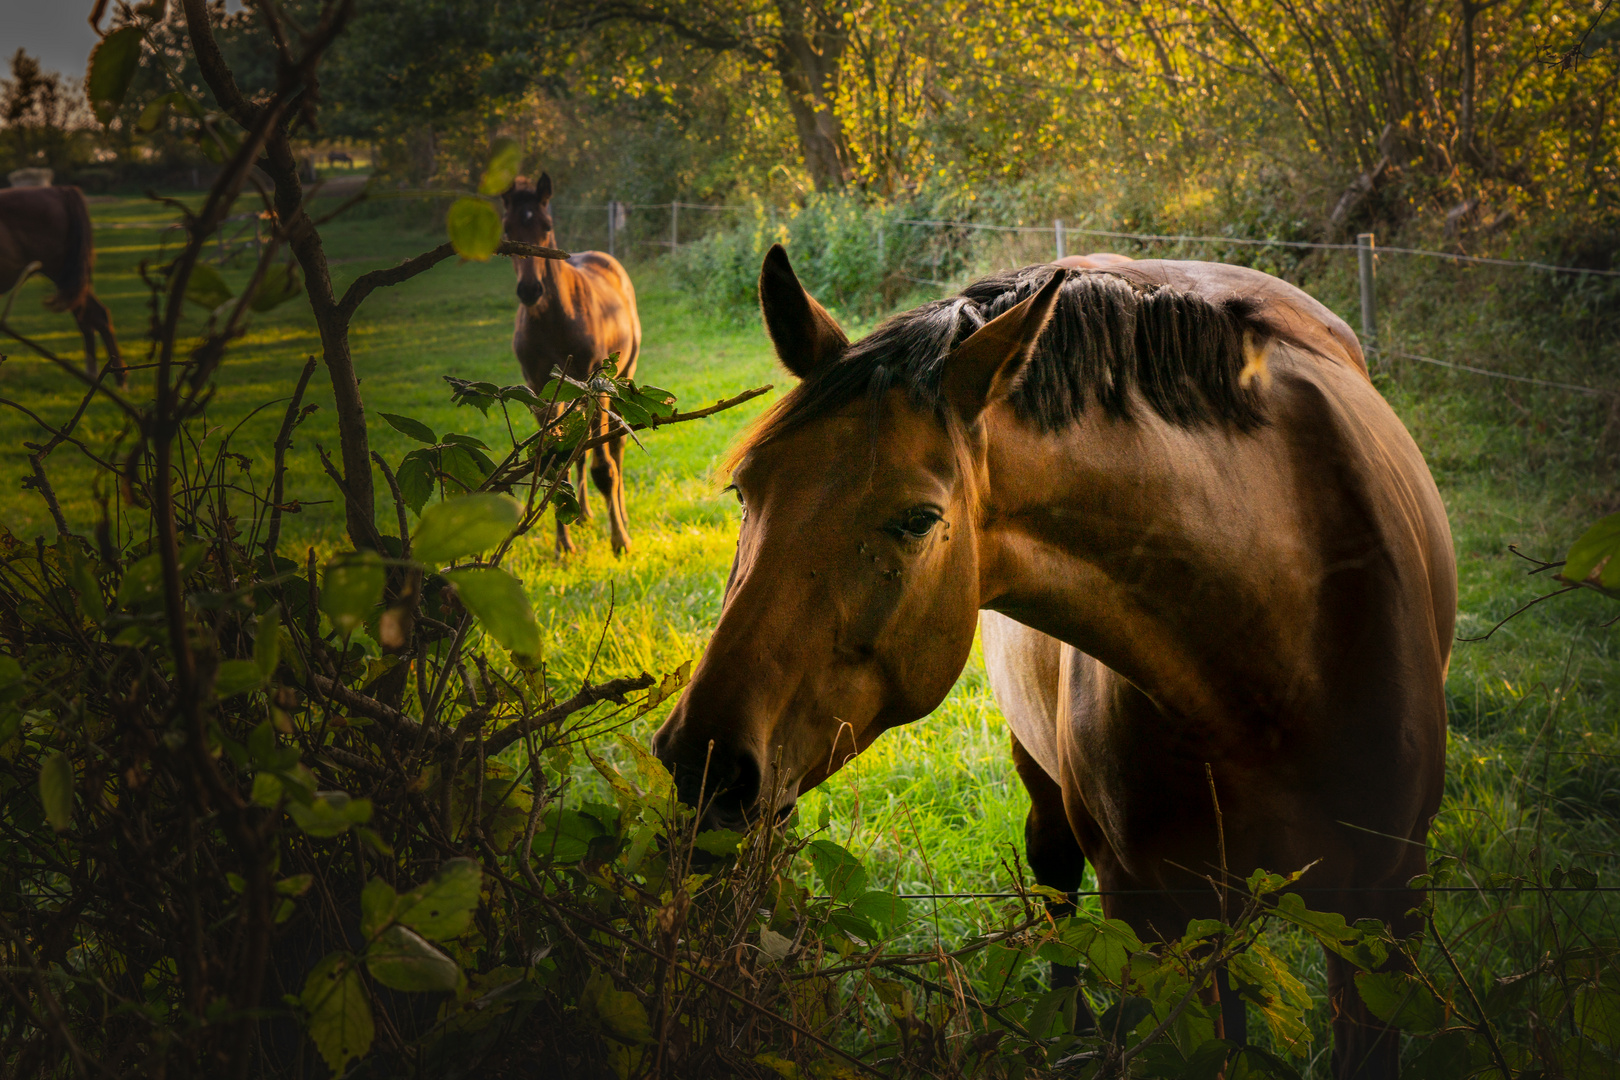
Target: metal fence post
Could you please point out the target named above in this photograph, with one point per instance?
(611, 207)
(1369, 313)
(883, 262)
(1057, 229)
(674, 226)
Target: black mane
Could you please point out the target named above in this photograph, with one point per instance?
(1110, 342)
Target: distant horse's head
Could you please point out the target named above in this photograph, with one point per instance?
(527, 220)
(854, 593)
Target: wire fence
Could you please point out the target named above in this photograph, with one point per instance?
(1365, 247)
(620, 228)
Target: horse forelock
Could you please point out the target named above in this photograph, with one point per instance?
(1111, 343)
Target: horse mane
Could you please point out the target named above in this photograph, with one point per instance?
(1110, 343)
(78, 253)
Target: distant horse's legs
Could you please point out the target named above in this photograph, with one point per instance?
(93, 319)
(1054, 856)
(607, 471)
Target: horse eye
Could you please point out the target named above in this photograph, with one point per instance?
(735, 491)
(914, 525)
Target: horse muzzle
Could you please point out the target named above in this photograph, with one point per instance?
(724, 783)
(528, 293)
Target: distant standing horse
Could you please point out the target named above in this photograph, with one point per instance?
(51, 226)
(1182, 564)
(573, 315)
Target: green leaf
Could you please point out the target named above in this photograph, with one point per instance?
(475, 228)
(565, 503)
(853, 925)
(401, 960)
(112, 65)
(267, 790)
(466, 440)
(413, 428)
(883, 909)
(267, 643)
(498, 602)
(1591, 559)
(56, 790)
(278, 286)
(378, 900)
(464, 526)
(1106, 944)
(565, 836)
(1597, 1014)
(442, 908)
(619, 1012)
(504, 158)
(465, 465)
(416, 477)
(297, 885)
(480, 395)
(338, 1014)
(840, 872)
(236, 677)
(655, 779)
(719, 841)
(1401, 1000)
(82, 578)
(13, 683)
(152, 116)
(329, 814)
(352, 589)
(143, 581)
(1360, 947)
(207, 287)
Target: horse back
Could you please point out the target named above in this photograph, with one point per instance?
(51, 226)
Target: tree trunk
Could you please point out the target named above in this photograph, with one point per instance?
(1465, 106)
(809, 59)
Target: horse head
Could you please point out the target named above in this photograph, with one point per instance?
(526, 219)
(854, 593)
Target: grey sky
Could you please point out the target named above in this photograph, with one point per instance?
(56, 31)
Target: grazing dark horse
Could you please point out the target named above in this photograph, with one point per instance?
(51, 226)
(1197, 534)
(573, 315)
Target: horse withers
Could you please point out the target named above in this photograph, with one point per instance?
(573, 314)
(1199, 539)
(51, 226)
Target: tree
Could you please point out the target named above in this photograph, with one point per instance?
(39, 113)
(803, 42)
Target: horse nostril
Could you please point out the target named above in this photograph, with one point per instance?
(528, 292)
(734, 798)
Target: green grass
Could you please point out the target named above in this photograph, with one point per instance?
(1534, 769)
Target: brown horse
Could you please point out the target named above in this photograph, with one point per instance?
(51, 226)
(573, 315)
(1178, 564)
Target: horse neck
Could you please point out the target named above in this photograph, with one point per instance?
(1167, 553)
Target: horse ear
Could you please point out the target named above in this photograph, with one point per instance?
(985, 368)
(807, 339)
(542, 187)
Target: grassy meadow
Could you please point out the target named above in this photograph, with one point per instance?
(1534, 769)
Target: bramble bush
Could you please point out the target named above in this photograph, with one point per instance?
(278, 816)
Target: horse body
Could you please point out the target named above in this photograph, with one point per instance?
(1176, 573)
(573, 314)
(51, 226)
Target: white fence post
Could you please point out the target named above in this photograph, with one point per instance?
(1369, 313)
(674, 226)
(1057, 229)
(611, 207)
